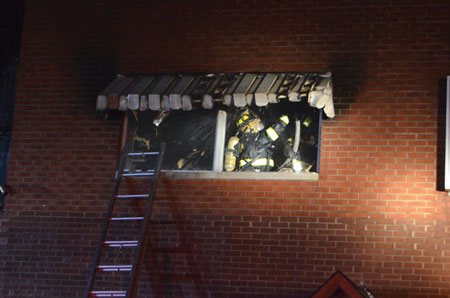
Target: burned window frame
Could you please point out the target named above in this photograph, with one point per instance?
(162, 118)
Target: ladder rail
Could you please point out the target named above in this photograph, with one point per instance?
(140, 249)
(106, 221)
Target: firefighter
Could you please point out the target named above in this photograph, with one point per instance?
(252, 146)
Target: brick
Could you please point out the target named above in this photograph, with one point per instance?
(379, 156)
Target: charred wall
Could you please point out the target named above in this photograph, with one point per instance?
(374, 214)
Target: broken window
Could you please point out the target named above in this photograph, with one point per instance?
(189, 137)
(282, 137)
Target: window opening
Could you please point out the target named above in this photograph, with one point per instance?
(282, 137)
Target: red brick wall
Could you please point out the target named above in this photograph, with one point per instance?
(375, 213)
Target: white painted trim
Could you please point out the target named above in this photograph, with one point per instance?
(302, 176)
(219, 145)
(447, 139)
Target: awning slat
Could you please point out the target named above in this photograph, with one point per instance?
(123, 98)
(222, 87)
(273, 93)
(186, 101)
(261, 94)
(154, 97)
(202, 87)
(286, 85)
(207, 101)
(250, 93)
(239, 94)
(175, 94)
(165, 101)
(137, 90)
(295, 90)
(229, 93)
(321, 95)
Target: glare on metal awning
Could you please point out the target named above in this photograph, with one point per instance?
(185, 91)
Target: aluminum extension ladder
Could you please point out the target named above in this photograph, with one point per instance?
(133, 268)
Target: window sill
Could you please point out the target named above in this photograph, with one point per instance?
(240, 175)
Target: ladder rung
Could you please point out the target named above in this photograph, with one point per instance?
(132, 243)
(142, 153)
(141, 174)
(132, 196)
(114, 267)
(138, 170)
(126, 218)
(108, 293)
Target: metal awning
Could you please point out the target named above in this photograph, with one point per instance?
(185, 91)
